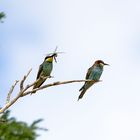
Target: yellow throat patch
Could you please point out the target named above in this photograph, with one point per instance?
(50, 59)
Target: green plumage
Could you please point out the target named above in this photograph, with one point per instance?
(45, 70)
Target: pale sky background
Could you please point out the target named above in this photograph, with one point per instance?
(86, 30)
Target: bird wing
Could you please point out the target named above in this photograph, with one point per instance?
(87, 77)
(39, 71)
(88, 72)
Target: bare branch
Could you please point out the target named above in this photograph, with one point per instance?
(9, 103)
(10, 92)
(23, 80)
(31, 85)
(56, 84)
(24, 90)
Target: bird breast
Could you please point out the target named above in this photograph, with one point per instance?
(96, 73)
(47, 68)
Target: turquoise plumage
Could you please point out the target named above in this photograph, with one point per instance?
(94, 73)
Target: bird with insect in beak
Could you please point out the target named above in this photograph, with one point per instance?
(94, 73)
(45, 70)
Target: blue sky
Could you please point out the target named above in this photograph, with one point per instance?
(86, 30)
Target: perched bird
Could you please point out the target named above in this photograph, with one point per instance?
(93, 73)
(45, 70)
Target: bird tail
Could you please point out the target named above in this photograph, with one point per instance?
(81, 88)
(37, 85)
(33, 92)
(82, 93)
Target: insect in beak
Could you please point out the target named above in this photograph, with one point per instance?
(55, 59)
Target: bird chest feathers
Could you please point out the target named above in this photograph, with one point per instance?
(96, 73)
(47, 68)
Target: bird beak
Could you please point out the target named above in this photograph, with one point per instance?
(106, 64)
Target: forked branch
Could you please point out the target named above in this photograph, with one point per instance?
(24, 90)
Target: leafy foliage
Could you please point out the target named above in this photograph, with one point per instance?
(11, 129)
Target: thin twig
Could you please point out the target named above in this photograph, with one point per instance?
(8, 102)
(23, 80)
(10, 92)
(31, 85)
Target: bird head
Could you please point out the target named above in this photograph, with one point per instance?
(101, 63)
(49, 58)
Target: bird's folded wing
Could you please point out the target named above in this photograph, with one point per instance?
(39, 71)
(88, 73)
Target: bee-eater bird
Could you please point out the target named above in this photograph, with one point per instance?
(45, 70)
(94, 73)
